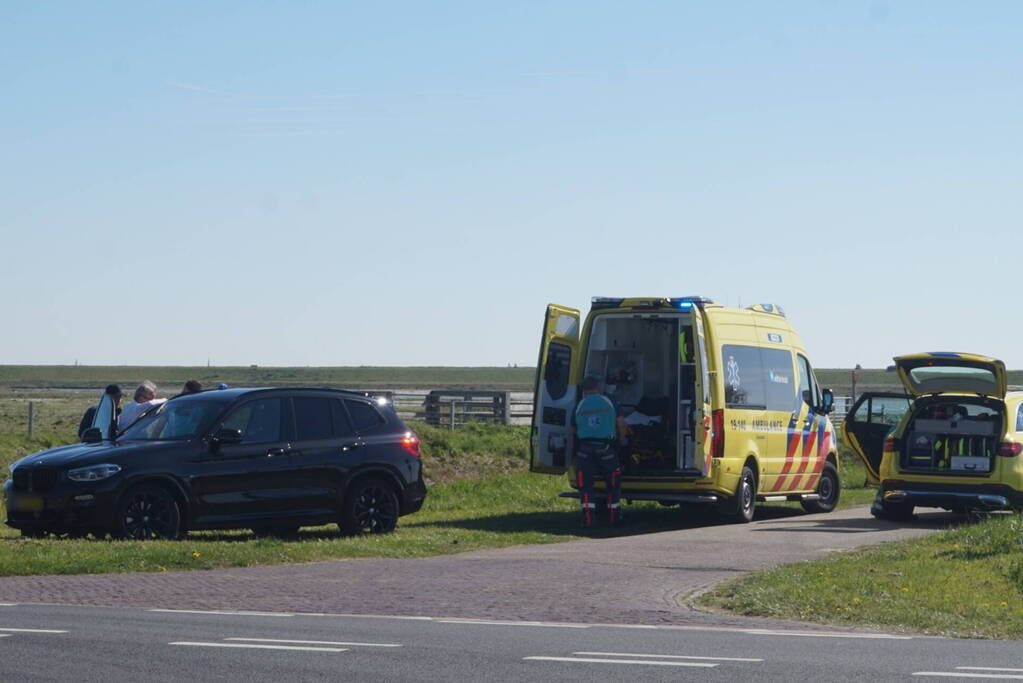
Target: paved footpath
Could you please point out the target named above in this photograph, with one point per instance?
(641, 579)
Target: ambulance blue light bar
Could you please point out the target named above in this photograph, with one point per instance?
(687, 302)
(606, 302)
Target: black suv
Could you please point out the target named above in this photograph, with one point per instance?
(272, 460)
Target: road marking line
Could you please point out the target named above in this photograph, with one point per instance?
(649, 662)
(963, 674)
(254, 646)
(988, 668)
(475, 622)
(312, 642)
(5, 635)
(229, 613)
(823, 634)
(634, 654)
(8, 604)
(31, 630)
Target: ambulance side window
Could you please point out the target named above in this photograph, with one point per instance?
(808, 389)
(745, 387)
(555, 376)
(1019, 418)
(778, 381)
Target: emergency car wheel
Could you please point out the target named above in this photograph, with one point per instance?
(893, 512)
(740, 507)
(828, 488)
(370, 507)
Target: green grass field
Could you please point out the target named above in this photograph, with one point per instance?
(480, 497)
(966, 582)
(170, 378)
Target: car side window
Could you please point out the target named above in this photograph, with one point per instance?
(313, 419)
(342, 423)
(364, 416)
(259, 421)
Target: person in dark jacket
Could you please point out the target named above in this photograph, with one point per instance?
(113, 391)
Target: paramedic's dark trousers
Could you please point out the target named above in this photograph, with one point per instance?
(593, 459)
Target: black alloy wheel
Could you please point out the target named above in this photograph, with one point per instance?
(148, 512)
(829, 488)
(370, 507)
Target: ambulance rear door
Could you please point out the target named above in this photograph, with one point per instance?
(868, 423)
(554, 395)
(702, 412)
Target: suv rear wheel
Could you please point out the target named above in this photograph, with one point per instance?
(370, 507)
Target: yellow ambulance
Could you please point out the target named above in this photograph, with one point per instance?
(952, 441)
(722, 404)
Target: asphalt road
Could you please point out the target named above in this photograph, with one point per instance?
(60, 643)
(638, 579)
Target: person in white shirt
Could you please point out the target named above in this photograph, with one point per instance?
(145, 398)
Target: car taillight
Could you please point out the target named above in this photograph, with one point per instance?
(1009, 449)
(717, 433)
(410, 442)
(889, 445)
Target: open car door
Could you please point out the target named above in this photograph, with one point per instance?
(554, 395)
(869, 422)
(105, 417)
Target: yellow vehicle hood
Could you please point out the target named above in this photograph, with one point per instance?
(953, 373)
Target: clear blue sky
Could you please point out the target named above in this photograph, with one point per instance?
(329, 183)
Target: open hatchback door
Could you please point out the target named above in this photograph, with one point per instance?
(869, 422)
(554, 395)
(952, 373)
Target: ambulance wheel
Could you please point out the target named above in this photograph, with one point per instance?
(829, 488)
(740, 507)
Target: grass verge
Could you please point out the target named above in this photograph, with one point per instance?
(480, 497)
(965, 582)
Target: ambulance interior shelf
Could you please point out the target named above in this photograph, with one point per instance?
(638, 359)
(953, 438)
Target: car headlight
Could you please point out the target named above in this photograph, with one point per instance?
(93, 472)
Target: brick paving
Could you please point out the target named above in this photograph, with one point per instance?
(642, 579)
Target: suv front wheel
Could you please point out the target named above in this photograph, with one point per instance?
(370, 507)
(148, 512)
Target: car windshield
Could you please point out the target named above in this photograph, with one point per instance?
(175, 420)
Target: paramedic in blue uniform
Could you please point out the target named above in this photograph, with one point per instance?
(597, 429)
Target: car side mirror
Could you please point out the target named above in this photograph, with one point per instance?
(226, 435)
(827, 401)
(92, 435)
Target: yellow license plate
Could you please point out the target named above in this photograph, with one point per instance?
(25, 504)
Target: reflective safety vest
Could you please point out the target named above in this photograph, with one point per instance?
(595, 418)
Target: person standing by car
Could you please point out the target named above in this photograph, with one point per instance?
(597, 429)
(192, 386)
(112, 390)
(145, 398)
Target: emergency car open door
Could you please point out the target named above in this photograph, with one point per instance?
(554, 396)
(868, 423)
(702, 412)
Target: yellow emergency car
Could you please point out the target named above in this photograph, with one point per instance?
(722, 404)
(952, 441)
